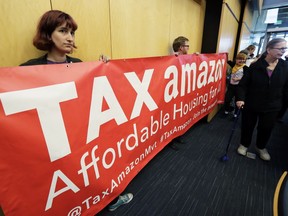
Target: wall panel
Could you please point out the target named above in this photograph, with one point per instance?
(235, 6)
(140, 28)
(187, 19)
(18, 20)
(246, 29)
(228, 31)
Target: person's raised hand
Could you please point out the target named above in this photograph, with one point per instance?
(103, 58)
(240, 104)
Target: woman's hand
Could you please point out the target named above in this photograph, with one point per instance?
(240, 104)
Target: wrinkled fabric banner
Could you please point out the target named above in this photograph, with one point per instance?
(74, 135)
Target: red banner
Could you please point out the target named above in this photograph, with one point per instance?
(74, 135)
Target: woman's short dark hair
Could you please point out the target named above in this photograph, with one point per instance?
(47, 24)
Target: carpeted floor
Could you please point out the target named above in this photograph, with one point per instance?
(193, 181)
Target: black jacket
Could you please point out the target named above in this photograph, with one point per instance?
(261, 93)
(43, 60)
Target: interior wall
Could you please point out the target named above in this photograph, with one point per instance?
(18, 20)
(229, 24)
(118, 29)
(140, 28)
(247, 27)
(187, 19)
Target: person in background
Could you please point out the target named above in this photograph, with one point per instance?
(261, 93)
(238, 70)
(249, 51)
(180, 46)
(56, 35)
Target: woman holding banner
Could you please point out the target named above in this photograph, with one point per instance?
(56, 35)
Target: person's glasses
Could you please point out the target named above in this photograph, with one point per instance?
(283, 49)
(185, 46)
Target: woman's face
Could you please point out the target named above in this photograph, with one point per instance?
(278, 50)
(240, 61)
(63, 39)
(251, 51)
